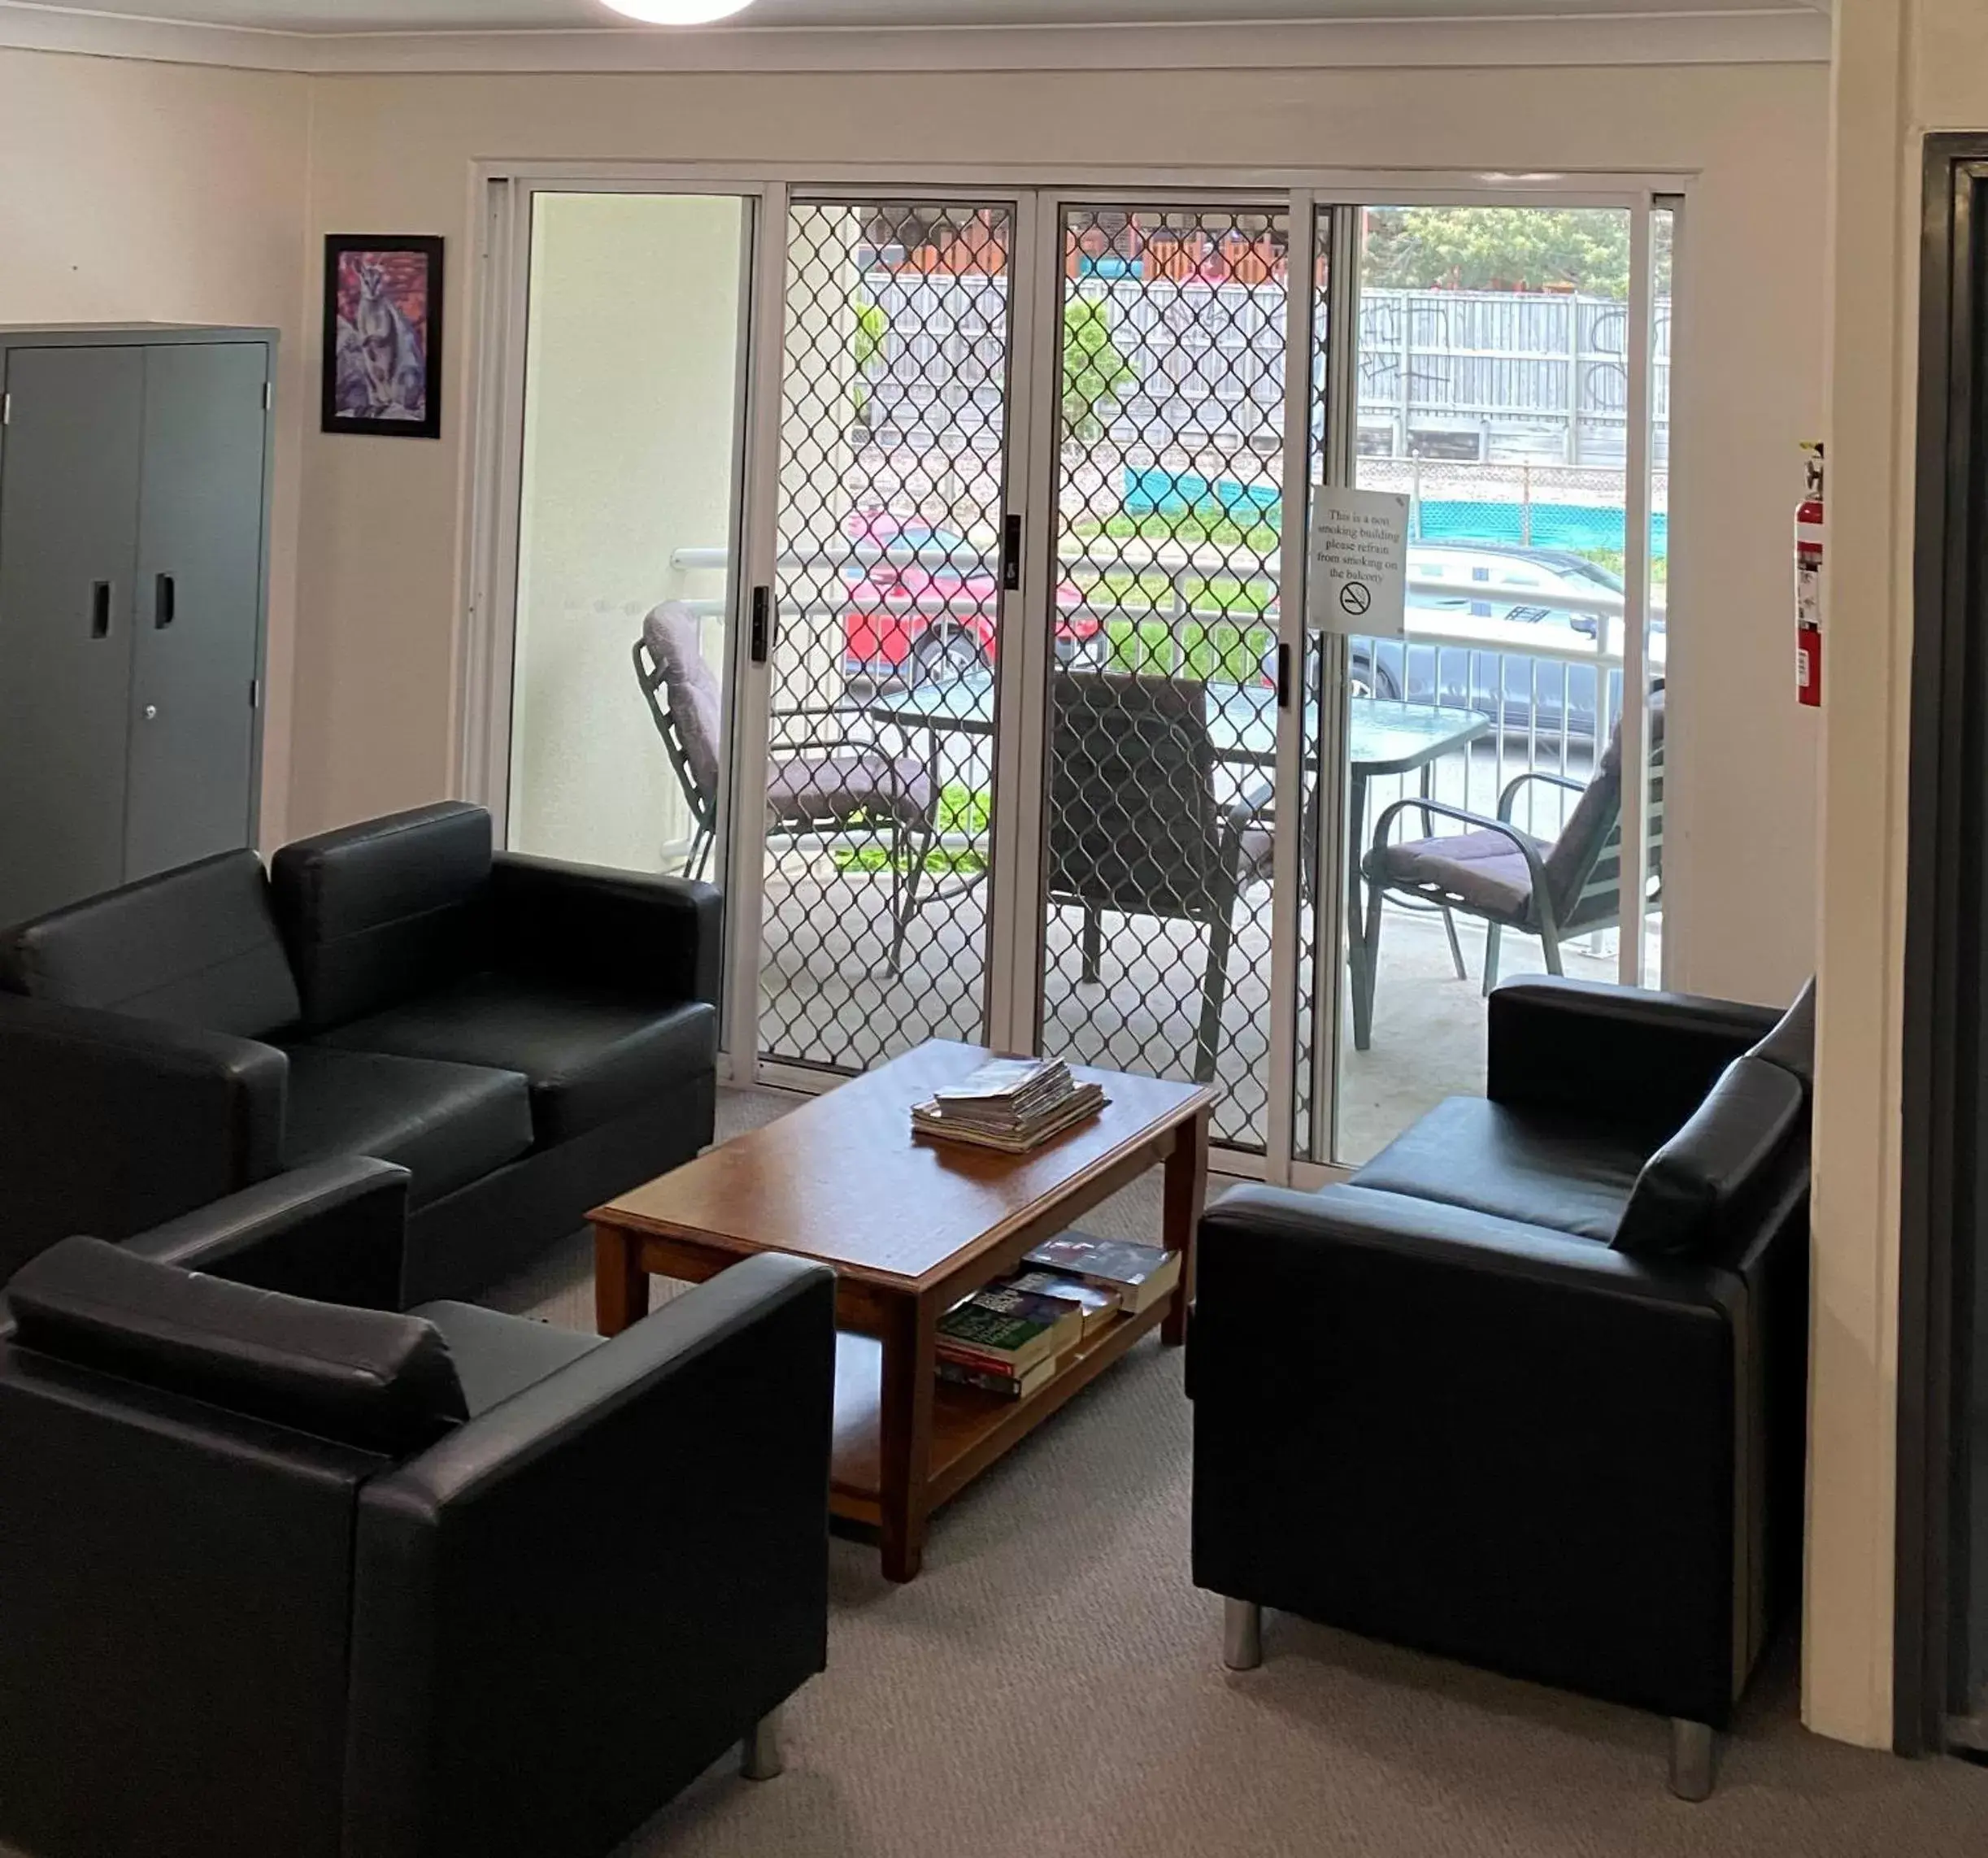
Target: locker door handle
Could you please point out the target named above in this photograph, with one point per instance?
(165, 602)
(101, 594)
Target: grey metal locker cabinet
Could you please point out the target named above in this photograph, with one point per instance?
(134, 490)
(195, 649)
(68, 552)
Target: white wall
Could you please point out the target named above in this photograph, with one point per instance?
(630, 391)
(1904, 66)
(378, 675)
(146, 193)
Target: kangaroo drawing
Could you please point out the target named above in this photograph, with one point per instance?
(382, 372)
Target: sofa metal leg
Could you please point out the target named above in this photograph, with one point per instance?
(759, 1756)
(1691, 1759)
(1242, 1635)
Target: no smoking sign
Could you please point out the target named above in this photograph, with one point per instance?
(1358, 563)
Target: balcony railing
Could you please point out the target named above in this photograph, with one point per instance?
(1555, 691)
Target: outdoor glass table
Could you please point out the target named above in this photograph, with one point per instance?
(1384, 737)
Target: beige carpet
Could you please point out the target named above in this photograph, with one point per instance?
(1052, 1686)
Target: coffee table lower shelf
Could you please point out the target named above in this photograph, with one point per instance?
(970, 1429)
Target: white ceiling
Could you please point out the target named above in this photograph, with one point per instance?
(440, 15)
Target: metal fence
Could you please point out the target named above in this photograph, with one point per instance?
(1479, 377)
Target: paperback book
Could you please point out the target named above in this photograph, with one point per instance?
(993, 1381)
(1141, 1275)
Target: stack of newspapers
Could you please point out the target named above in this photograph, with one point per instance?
(1014, 1105)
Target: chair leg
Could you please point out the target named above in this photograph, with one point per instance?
(759, 1756)
(1494, 946)
(1691, 1760)
(1456, 947)
(700, 855)
(907, 906)
(1214, 993)
(896, 843)
(1093, 944)
(1549, 941)
(1364, 971)
(1242, 1635)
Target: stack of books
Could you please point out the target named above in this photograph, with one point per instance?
(1014, 1336)
(1014, 1105)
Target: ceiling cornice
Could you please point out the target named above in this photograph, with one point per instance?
(1790, 34)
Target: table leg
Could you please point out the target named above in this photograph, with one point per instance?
(620, 1285)
(1186, 1192)
(905, 1440)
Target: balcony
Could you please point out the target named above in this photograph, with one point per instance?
(1537, 699)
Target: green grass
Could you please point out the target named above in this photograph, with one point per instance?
(1192, 529)
(963, 812)
(1214, 652)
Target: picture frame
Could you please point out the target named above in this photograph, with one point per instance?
(383, 335)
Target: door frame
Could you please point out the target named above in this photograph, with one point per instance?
(502, 192)
(1942, 1218)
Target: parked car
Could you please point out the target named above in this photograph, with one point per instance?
(936, 615)
(1513, 586)
(1507, 581)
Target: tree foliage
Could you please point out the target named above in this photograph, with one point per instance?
(871, 331)
(1501, 248)
(1095, 373)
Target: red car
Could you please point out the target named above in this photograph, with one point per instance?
(936, 615)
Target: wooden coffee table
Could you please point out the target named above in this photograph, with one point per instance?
(910, 1227)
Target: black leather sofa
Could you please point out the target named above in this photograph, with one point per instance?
(1529, 1390)
(528, 1039)
(293, 1575)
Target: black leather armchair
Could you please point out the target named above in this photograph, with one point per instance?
(305, 1577)
(528, 1039)
(1529, 1391)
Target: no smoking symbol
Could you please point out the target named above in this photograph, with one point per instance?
(1354, 598)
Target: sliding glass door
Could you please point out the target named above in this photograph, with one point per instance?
(1157, 896)
(1489, 748)
(928, 566)
(889, 609)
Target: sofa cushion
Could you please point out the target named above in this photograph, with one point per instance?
(365, 1377)
(1698, 1186)
(497, 1355)
(197, 947)
(591, 1054)
(382, 911)
(1541, 1170)
(448, 1125)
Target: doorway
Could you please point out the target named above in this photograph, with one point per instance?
(988, 531)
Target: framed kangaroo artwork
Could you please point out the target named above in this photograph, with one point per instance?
(383, 336)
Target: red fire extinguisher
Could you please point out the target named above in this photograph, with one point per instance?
(1809, 532)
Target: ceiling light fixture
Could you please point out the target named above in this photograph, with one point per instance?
(678, 12)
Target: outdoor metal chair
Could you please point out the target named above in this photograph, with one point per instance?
(1509, 879)
(828, 776)
(1136, 825)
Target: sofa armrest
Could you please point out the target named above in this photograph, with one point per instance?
(1570, 1045)
(109, 1125)
(661, 937)
(334, 1232)
(1478, 1437)
(570, 1607)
